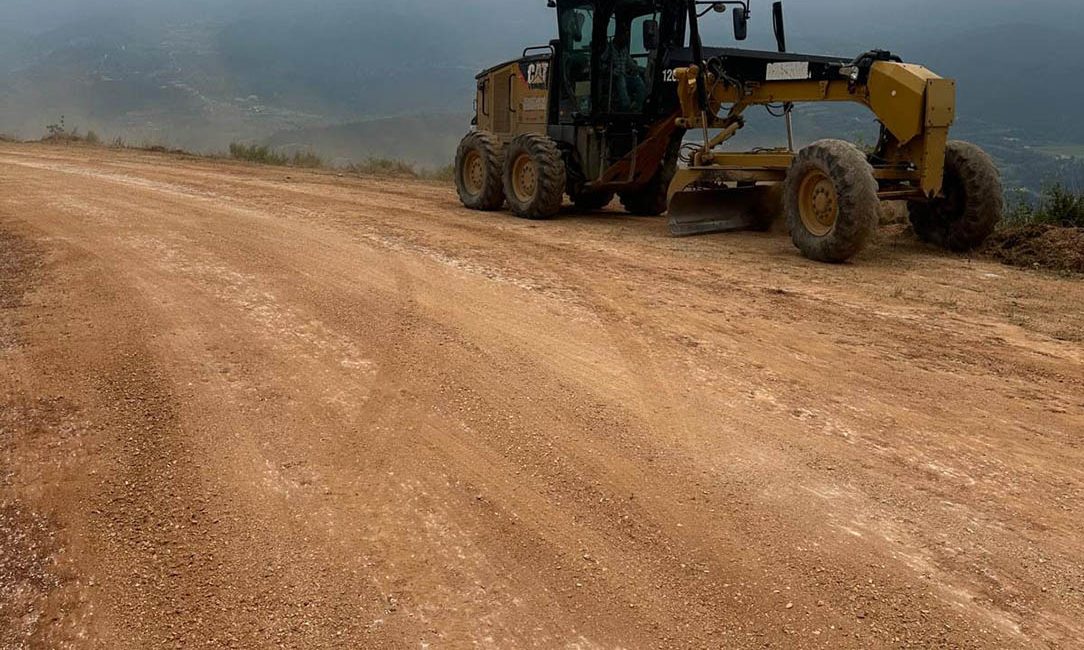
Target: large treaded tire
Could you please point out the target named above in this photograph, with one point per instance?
(488, 191)
(855, 194)
(549, 176)
(971, 205)
(650, 200)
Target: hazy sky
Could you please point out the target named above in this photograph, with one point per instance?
(337, 59)
(35, 15)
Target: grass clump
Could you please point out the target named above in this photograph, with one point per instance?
(265, 155)
(445, 173)
(306, 159)
(59, 133)
(256, 153)
(374, 166)
(384, 167)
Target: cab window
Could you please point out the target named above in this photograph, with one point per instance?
(576, 27)
(627, 65)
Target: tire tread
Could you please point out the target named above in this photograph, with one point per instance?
(859, 205)
(492, 194)
(551, 176)
(984, 199)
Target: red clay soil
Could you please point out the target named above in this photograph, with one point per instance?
(248, 407)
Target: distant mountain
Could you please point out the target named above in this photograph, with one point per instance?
(1027, 77)
(201, 73)
(137, 76)
(200, 77)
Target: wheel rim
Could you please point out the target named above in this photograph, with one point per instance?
(818, 203)
(474, 172)
(524, 178)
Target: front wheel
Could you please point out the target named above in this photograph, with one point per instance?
(830, 198)
(534, 176)
(971, 202)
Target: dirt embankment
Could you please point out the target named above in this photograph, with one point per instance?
(251, 407)
(1039, 246)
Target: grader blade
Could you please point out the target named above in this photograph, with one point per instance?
(705, 211)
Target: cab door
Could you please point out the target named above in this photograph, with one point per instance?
(628, 58)
(576, 26)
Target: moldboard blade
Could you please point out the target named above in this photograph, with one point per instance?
(700, 212)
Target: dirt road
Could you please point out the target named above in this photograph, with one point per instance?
(253, 407)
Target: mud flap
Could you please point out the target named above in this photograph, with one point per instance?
(700, 212)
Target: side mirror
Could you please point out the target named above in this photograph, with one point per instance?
(779, 27)
(651, 35)
(741, 24)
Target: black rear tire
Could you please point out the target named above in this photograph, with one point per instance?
(478, 168)
(534, 176)
(650, 200)
(830, 198)
(971, 204)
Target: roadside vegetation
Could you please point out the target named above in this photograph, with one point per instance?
(1047, 233)
(391, 167)
(1057, 206)
(60, 133)
(264, 155)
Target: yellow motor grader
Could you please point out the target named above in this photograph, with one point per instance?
(627, 101)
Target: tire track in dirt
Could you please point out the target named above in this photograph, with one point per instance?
(387, 421)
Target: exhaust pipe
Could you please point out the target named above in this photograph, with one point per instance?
(781, 41)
